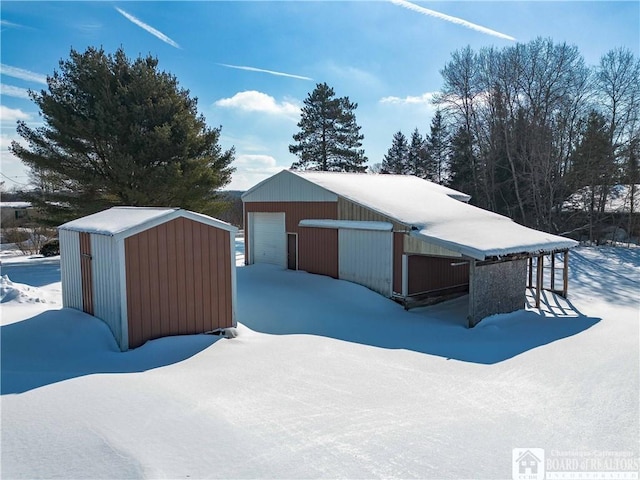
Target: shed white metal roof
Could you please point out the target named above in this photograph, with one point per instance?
(125, 221)
(437, 214)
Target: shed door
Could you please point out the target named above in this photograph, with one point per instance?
(365, 257)
(86, 273)
(269, 240)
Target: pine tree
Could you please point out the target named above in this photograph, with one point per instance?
(396, 158)
(437, 147)
(121, 132)
(462, 163)
(418, 158)
(594, 169)
(329, 138)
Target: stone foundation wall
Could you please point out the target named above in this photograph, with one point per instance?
(496, 288)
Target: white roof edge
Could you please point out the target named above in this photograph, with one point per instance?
(165, 214)
(478, 254)
(347, 224)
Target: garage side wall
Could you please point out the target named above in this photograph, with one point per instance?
(318, 251)
(178, 280)
(496, 288)
(70, 274)
(294, 212)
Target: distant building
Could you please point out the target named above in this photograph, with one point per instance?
(15, 214)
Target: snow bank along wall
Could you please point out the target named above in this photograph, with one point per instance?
(171, 273)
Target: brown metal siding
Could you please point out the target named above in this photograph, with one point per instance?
(178, 280)
(398, 250)
(85, 272)
(294, 212)
(318, 251)
(435, 273)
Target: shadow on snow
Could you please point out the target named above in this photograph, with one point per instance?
(36, 274)
(287, 302)
(58, 345)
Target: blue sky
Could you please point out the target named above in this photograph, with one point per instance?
(385, 55)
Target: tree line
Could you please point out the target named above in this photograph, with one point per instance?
(520, 129)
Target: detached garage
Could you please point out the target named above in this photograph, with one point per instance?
(404, 237)
(150, 272)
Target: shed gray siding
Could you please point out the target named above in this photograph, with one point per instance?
(70, 269)
(106, 282)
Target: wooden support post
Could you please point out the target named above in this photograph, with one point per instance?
(565, 275)
(539, 278)
(530, 284)
(553, 272)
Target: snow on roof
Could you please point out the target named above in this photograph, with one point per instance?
(348, 224)
(384, 184)
(435, 216)
(15, 204)
(116, 219)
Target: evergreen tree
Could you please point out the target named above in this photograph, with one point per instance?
(329, 138)
(121, 132)
(437, 147)
(594, 169)
(462, 164)
(395, 161)
(418, 158)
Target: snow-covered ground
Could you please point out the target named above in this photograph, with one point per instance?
(325, 379)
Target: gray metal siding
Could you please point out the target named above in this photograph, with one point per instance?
(288, 187)
(106, 282)
(70, 269)
(366, 257)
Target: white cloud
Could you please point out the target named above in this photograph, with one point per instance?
(254, 101)
(22, 74)
(252, 169)
(424, 99)
(449, 18)
(12, 114)
(11, 91)
(156, 33)
(261, 70)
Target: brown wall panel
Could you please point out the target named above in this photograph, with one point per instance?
(318, 251)
(85, 272)
(434, 273)
(398, 250)
(294, 211)
(348, 210)
(178, 280)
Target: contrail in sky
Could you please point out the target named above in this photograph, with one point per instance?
(156, 33)
(449, 18)
(271, 72)
(23, 74)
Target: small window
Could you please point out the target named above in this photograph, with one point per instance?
(21, 214)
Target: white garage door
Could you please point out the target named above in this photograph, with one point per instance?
(269, 241)
(365, 257)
